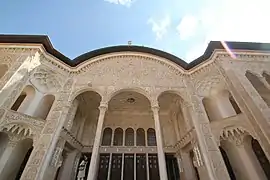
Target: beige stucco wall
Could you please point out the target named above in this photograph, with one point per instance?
(143, 73)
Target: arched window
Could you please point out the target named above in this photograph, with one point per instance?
(107, 137)
(129, 138)
(235, 106)
(151, 137)
(264, 162)
(44, 106)
(140, 140)
(259, 87)
(24, 100)
(118, 137)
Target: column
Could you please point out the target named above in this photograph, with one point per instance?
(34, 104)
(66, 171)
(161, 155)
(243, 160)
(92, 173)
(6, 159)
(224, 106)
(38, 163)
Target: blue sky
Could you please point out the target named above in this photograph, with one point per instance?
(181, 27)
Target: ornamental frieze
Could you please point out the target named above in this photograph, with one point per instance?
(46, 80)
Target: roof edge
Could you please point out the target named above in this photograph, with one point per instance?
(212, 46)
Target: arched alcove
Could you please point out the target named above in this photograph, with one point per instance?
(173, 117)
(220, 105)
(151, 137)
(14, 166)
(129, 137)
(264, 162)
(259, 86)
(24, 100)
(140, 137)
(83, 126)
(44, 106)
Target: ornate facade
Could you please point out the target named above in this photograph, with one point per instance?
(130, 112)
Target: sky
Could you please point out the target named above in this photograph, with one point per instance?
(180, 27)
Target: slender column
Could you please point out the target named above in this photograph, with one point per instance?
(6, 159)
(161, 155)
(32, 107)
(242, 159)
(67, 167)
(188, 169)
(92, 173)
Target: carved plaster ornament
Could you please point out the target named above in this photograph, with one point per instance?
(197, 157)
(233, 134)
(45, 80)
(20, 129)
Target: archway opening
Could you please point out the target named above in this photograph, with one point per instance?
(3, 70)
(259, 86)
(24, 100)
(175, 120)
(82, 123)
(17, 160)
(220, 104)
(127, 121)
(264, 162)
(44, 106)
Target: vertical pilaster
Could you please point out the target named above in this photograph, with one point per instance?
(211, 155)
(6, 163)
(92, 173)
(41, 156)
(161, 155)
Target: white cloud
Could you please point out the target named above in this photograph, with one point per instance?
(226, 20)
(187, 27)
(160, 27)
(121, 2)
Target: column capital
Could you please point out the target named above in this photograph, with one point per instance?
(103, 106)
(155, 108)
